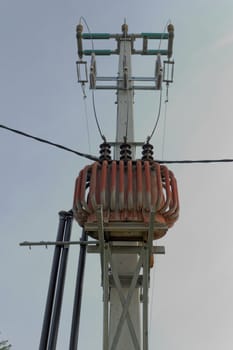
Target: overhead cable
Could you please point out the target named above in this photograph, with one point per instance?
(93, 95)
(39, 139)
(195, 161)
(96, 118)
(94, 158)
(157, 119)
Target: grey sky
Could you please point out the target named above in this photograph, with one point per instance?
(193, 288)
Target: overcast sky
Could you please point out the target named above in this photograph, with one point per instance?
(192, 285)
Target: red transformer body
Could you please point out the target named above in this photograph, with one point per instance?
(127, 191)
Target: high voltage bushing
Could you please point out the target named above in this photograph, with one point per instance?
(147, 152)
(125, 152)
(105, 151)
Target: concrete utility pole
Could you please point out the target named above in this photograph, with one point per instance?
(125, 264)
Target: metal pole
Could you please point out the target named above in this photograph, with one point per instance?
(60, 285)
(52, 284)
(78, 295)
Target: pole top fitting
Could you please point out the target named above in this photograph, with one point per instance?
(124, 29)
(170, 28)
(79, 29)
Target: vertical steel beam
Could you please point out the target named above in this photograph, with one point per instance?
(105, 275)
(60, 285)
(78, 295)
(52, 284)
(146, 258)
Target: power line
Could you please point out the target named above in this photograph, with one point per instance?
(93, 94)
(158, 117)
(96, 117)
(88, 156)
(39, 139)
(195, 161)
(87, 124)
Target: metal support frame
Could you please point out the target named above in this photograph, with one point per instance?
(125, 285)
(112, 279)
(110, 274)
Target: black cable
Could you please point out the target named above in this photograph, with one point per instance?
(158, 116)
(93, 95)
(88, 156)
(96, 118)
(196, 161)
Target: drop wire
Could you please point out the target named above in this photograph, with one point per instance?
(39, 139)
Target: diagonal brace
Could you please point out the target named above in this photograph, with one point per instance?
(125, 302)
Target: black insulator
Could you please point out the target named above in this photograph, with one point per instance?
(147, 152)
(105, 151)
(125, 152)
(79, 30)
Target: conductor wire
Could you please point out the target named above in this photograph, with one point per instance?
(164, 129)
(39, 139)
(157, 119)
(93, 94)
(160, 41)
(160, 101)
(87, 124)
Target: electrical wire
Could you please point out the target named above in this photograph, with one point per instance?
(88, 28)
(196, 161)
(96, 118)
(165, 27)
(157, 119)
(87, 125)
(93, 94)
(160, 101)
(164, 129)
(39, 139)
(94, 158)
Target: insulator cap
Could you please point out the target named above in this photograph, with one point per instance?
(170, 28)
(105, 152)
(79, 28)
(124, 29)
(125, 152)
(147, 152)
